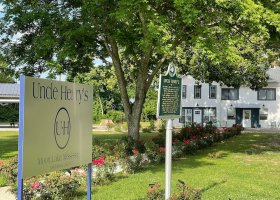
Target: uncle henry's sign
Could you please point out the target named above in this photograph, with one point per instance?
(56, 125)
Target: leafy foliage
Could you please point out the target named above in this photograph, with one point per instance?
(228, 41)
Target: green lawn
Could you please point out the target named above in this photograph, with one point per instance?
(248, 169)
(8, 144)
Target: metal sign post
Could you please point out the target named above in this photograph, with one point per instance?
(168, 158)
(169, 107)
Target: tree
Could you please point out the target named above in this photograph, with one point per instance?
(5, 73)
(105, 90)
(220, 40)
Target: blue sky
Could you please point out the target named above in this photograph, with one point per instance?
(1, 9)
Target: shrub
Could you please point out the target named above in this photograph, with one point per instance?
(146, 130)
(153, 151)
(10, 170)
(185, 192)
(135, 162)
(118, 127)
(105, 167)
(131, 144)
(159, 139)
(152, 125)
(178, 149)
(115, 116)
(56, 185)
(124, 126)
(154, 192)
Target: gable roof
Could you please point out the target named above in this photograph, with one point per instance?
(9, 90)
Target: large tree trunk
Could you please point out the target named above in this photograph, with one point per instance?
(133, 125)
(132, 111)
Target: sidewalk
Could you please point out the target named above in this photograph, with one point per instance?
(8, 129)
(5, 194)
(262, 130)
(94, 128)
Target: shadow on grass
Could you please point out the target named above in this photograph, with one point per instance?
(249, 143)
(213, 185)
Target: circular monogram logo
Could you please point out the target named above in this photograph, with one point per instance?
(62, 128)
(171, 70)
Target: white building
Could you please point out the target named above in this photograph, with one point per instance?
(225, 106)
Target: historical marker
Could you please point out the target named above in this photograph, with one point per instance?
(169, 107)
(169, 98)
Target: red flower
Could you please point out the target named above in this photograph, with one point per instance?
(187, 141)
(205, 135)
(193, 137)
(135, 151)
(99, 161)
(162, 149)
(174, 141)
(188, 129)
(36, 185)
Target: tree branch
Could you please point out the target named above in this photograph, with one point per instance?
(112, 48)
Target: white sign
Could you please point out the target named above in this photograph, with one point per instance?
(57, 126)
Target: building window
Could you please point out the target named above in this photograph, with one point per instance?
(263, 114)
(186, 116)
(184, 91)
(189, 115)
(231, 114)
(267, 94)
(197, 91)
(212, 91)
(182, 118)
(209, 115)
(230, 94)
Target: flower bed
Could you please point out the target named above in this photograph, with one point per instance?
(127, 156)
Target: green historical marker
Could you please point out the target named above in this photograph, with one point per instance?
(169, 97)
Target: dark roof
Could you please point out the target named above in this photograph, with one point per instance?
(9, 89)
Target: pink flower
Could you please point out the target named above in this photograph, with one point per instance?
(135, 151)
(187, 141)
(1, 163)
(36, 185)
(162, 149)
(102, 157)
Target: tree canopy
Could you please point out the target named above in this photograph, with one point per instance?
(5, 73)
(213, 40)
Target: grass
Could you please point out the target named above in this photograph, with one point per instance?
(109, 136)
(8, 144)
(247, 167)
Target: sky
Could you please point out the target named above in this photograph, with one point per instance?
(1, 10)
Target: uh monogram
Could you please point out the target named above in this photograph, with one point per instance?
(62, 128)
